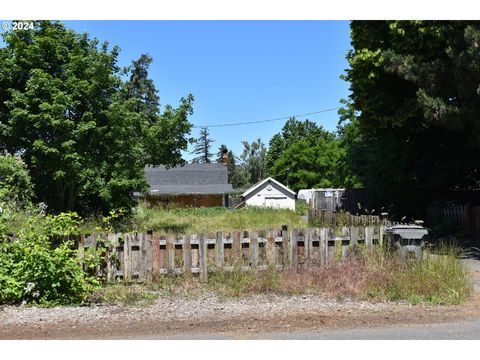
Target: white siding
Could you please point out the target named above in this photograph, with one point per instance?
(272, 196)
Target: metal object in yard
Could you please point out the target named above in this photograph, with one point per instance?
(408, 239)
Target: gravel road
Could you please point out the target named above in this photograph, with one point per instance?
(458, 330)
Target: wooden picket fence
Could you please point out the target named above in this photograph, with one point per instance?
(329, 218)
(143, 257)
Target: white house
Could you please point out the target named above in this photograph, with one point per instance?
(269, 193)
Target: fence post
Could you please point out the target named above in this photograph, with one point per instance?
(111, 257)
(353, 236)
(142, 259)
(202, 249)
(270, 247)
(219, 255)
(148, 258)
(381, 233)
(368, 237)
(254, 248)
(237, 249)
(306, 244)
(330, 248)
(323, 246)
(81, 249)
(286, 248)
(294, 239)
(345, 243)
(155, 256)
(127, 246)
(170, 255)
(187, 256)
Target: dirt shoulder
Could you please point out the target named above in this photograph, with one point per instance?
(237, 317)
(208, 314)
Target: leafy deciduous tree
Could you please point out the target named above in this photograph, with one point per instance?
(304, 155)
(79, 128)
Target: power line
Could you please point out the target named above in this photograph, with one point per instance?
(267, 120)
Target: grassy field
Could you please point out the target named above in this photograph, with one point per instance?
(195, 220)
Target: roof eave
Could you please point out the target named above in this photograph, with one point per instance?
(254, 187)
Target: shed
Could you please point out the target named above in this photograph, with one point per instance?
(269, 193)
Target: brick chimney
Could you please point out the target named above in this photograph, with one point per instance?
(225, 157)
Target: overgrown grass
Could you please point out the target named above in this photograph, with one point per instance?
(141, 294)
(194, 220)
(441, 278)
(123, 294)
(376, 276)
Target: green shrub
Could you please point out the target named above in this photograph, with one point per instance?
(33, 270)
(15, 182)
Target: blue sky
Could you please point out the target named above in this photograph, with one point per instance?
(238, 70)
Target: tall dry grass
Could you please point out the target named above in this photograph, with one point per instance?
(376, 275)
(372, 275)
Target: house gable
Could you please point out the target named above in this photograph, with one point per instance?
(269, 193)
(269, 189)
(264, 183)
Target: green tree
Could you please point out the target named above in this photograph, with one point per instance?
(202, 147)
(142, 89)
(221, 151)
(77, 125)
(234, 176)
(253, 166)
(166, 138)
(415, 86)
(350, 139)
(164, 135)
(304, 155)
(292, 131)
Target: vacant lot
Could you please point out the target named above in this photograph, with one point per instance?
(195, 220)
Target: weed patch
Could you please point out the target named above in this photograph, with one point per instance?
(196, 220)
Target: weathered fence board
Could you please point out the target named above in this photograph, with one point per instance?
(329, 218)
(143, 257)
(254, 248)
(202, 246)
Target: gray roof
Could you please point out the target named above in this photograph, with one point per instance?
(188, 179)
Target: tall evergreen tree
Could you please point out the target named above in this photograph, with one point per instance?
(253, 167)
(163, 135)
(221, 151)
(202, 146)
(415, 88)
(234, 176)
(141, 88)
